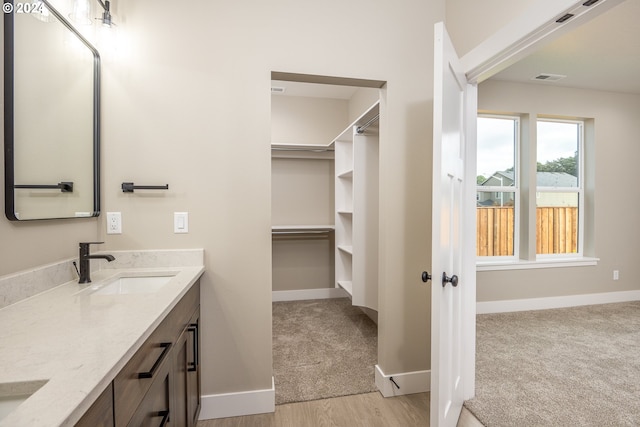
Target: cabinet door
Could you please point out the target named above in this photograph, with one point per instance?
(180, 417)
(193, 369)
(100, 414)
(187, 375)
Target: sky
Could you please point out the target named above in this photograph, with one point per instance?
(496, 149)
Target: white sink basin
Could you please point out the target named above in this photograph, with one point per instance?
(13, 394)
(132, 285)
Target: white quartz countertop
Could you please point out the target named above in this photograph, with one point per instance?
(75, 340)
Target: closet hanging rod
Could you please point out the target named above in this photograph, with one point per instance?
(364, 127)
(301, 236)
(301, 232)
(314, 149)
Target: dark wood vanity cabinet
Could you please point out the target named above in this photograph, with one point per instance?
(100, 414)
(187, 374)
(160, 385)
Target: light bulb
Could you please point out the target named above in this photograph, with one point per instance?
(81, 13)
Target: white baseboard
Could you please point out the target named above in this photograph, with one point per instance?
(237, 404)
(409, 382)
(555, 302)
(303, 294)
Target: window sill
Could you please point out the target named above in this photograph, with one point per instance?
(539, 263)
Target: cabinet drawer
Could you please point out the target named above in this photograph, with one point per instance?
(134, 380)
(155, 408)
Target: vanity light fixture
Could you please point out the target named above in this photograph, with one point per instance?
(81, 13)
(106, 15)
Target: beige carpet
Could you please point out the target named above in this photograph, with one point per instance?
(321, 349)
(566, 367)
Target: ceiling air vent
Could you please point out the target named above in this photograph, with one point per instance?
(277, 90)
(548, 77)
(564, 18)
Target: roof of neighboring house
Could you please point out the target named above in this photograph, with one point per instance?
(544, 179)
(556, 179)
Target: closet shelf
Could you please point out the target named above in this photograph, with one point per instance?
(345, 212)
(278, 228)
(347, 286)
(301, 232)
(302, 151)
(347, 249)
(346, 174)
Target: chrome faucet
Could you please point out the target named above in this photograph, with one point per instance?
(84, 257)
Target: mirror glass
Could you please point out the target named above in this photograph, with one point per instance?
(51, 90)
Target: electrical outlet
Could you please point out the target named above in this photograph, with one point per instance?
(616, 275)
(114, 223)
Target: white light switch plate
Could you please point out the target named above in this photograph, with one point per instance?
(181, 222)
(114, 223)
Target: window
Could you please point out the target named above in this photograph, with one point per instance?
(497, 190)
(559, 187)
(511, 208)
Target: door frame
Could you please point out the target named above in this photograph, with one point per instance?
(531, 30)
(534, 28)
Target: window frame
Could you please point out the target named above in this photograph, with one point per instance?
(586, 180)
(515, 189)
(579, 190)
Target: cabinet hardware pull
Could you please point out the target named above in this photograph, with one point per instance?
(165, 417)
(193, 366)
(166, 346)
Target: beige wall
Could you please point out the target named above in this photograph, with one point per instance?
(189, 105)
(471, 22)
(186, 101)
(302, 194)
(615, 240)
(304, 120)
(361, 101)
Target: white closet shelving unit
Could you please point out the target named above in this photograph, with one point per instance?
(356, 204)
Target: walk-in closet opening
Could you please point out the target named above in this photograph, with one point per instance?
(324, 189)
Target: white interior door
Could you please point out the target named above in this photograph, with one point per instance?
(453, 238)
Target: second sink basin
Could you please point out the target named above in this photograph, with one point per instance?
(133, 285)
(13, 394)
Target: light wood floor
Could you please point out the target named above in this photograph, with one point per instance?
(361, 410)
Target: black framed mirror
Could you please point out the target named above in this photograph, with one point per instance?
(51, 116)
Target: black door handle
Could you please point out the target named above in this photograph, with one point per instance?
(445, 279)
(426, 276)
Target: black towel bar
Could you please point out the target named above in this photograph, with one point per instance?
(128, 187)
(65, 187)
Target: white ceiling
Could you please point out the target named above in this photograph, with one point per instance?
(603, 54)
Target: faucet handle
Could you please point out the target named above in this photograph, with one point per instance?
(90, 243)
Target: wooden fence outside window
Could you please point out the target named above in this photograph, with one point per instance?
(556, 230)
